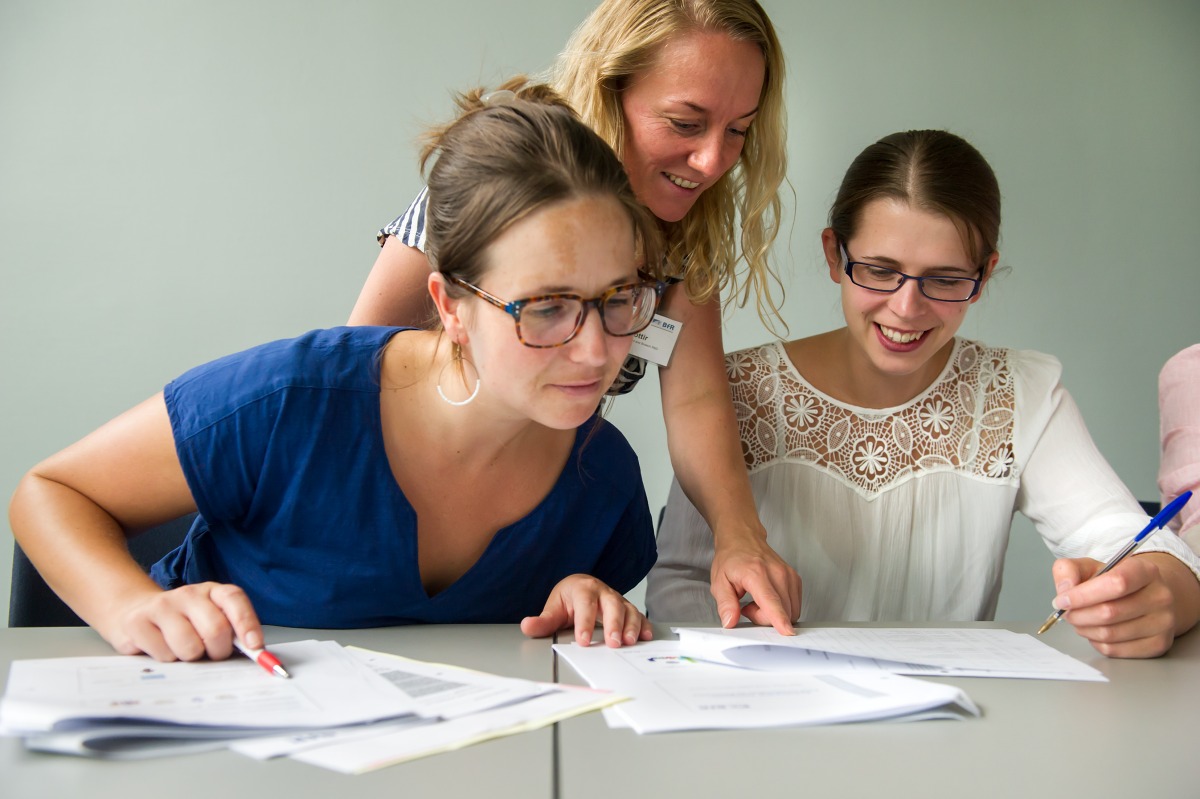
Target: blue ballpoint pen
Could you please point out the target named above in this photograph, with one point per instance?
(1157, 523)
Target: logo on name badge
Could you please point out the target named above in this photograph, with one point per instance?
(657, 341)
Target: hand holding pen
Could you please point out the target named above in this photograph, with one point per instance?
(1157, 523)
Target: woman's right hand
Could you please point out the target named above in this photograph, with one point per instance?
(1136, 610)
(71, 514)
(186, 623)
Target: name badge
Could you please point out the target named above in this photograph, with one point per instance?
(656, 342)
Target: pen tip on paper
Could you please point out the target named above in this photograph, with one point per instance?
(279, 671)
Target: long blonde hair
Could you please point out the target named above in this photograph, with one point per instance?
(621, 38)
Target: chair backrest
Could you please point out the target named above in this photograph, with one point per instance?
(33, 604)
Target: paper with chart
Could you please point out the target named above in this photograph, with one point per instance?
(455, 707)
(129, 707)
(670, 691)
(401, 745)
(444, 691)
(346, 709)
(329, 687)
(921, 651)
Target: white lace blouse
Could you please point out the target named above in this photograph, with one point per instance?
(903, 514)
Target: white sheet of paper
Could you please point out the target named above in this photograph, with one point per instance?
(398, 745)
(445, 691)
(266, 748)
(671, 691)
(437, 692)
(459, 707)
(130, 742)
(351, 710)
(329, 687)
(923, 651)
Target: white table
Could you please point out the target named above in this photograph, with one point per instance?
(1132, 736)
(1135, 735)
(520, 766)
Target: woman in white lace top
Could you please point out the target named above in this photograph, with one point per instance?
(887, 457)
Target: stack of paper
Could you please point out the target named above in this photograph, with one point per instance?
(466, 707)
(672, 691)
(942, 652)
(713, 678)
(351, 710)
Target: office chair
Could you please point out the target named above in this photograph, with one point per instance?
(33, 604)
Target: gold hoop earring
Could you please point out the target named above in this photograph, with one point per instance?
(456, 358)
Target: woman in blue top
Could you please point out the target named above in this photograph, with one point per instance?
(374, 476)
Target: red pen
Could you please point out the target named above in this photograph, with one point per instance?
(263, 658)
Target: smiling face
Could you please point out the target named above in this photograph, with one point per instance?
(579, 246)
(686, 118)
(898, 343)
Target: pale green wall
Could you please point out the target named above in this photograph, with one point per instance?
(181, 180)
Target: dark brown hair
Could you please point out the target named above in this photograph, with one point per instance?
(930, 170)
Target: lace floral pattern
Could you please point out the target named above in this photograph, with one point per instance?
(962, 423)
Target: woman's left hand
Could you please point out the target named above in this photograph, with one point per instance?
(1135, 610)
(583, 599)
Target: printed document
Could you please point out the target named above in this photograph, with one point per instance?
(672, 691)
(458, 707)
(923, 651)
(400, 745)
(329, 687)
(135, 707)
(347, 709)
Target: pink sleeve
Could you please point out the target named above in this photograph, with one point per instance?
(1179, 415)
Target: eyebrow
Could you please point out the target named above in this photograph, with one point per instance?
(892, 262)
(562, 289)
(699, 109)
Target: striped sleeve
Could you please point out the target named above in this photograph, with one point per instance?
(409, 227)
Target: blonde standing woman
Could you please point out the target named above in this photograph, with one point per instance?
(690, 95)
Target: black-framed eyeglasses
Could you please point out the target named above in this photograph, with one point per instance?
(552, 320)
(941, 288)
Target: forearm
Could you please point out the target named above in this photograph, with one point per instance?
(702, 430)
(395, 292)
(706, 456)
(78, 548)
(706, 453)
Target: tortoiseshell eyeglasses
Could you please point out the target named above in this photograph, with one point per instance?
(552, 320)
